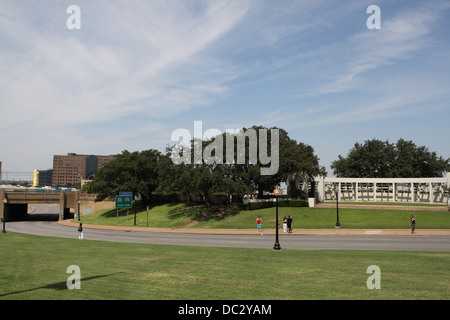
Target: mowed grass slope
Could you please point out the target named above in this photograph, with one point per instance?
(34, 267)
(323, 218)
(178, 215)
(160, 216)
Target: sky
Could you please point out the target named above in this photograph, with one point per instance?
(135, 71)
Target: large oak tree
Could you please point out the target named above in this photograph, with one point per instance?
(136, 172)
(382, 159)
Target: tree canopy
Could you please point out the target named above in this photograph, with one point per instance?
(381, 159)
(135, 172)
(149, 172)
(246, 176)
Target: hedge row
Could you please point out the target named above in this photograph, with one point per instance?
(270, 204)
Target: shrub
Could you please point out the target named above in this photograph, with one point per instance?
(270, 204)
(293, 203)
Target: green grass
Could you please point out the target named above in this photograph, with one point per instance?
(387, 203)
(322, 218)
(176, 215)
(160, 216)
(34, 267)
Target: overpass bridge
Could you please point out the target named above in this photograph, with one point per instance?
(14, 203)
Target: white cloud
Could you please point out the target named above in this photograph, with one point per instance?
(138, 70)
(141, 58)
(93, 77)
(400, 38)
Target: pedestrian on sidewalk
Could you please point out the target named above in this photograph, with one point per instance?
(258, 224)
(80, 230)
(289, 224)
(413, 223)
(284, 224)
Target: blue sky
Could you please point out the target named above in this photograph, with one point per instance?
(138, 70)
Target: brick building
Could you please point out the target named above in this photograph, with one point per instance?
(73, 168)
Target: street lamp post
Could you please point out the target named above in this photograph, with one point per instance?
(3, 227)
(338, 225)
(276, 246)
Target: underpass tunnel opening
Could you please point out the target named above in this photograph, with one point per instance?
(26, 212)
(38, 206)
(43, 212)
(68, 214)
(15, 212)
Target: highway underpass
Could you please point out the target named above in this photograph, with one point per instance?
(14, 204)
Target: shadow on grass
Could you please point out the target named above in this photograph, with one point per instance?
(180, 210)
(58, 285)
(199, 212)
(188, 210)
(139, 207)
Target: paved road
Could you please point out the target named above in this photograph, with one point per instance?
(292, 241)
(376, 242)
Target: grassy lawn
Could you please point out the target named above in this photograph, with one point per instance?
(176, 215)
(319, 218)
(34, 267)
(386, 203)
(160, 216)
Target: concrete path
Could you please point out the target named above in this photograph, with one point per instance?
(334, 232)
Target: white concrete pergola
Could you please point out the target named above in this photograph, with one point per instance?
(412, 190)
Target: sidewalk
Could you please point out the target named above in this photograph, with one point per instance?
(344, 232)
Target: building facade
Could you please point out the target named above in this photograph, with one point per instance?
(45, 177)
(73, 168)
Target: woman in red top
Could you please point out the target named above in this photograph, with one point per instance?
(258, 224)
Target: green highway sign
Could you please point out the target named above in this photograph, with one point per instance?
(124, 202)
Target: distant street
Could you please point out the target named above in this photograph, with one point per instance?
(314, 242)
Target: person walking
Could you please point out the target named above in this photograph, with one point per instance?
(413, 223)
(80, 230)
(289, 224)
(258, 224)
(284, 224)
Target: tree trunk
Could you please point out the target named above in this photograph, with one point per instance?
(207, 199)
(260, 191)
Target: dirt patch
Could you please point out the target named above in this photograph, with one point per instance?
(190, 224)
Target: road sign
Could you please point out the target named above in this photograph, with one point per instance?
(126, 193)
(124, 202)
